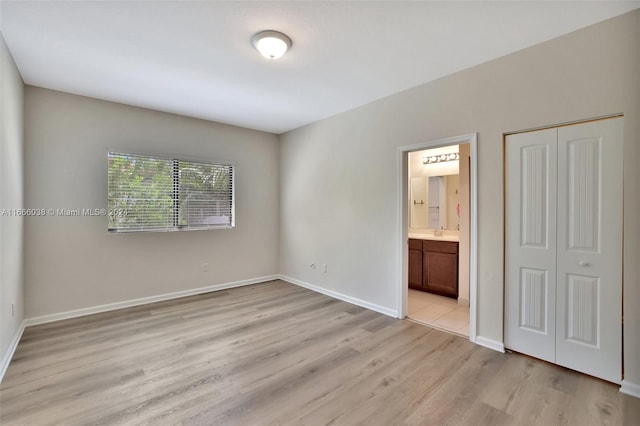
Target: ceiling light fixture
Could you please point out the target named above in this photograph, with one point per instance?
(271, 44)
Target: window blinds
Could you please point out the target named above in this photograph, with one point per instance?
(163, 194)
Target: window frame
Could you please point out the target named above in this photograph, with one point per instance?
(176, 207)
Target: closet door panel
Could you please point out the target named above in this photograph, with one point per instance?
(531, 243)
(589, 274)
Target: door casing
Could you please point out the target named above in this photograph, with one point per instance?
(402, 284)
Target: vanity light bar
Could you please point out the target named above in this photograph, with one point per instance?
(453, 156)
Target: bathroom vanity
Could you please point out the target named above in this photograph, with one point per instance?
(433, 265)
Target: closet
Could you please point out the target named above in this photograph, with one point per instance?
(563, 254)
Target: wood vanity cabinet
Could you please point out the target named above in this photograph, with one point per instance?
(433, 266)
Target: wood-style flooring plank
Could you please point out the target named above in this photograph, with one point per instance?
(278, 354)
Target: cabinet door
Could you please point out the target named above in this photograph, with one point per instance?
(415, 269)
(441, 273)
(415, 264)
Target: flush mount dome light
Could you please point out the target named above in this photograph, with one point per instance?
(271, 44)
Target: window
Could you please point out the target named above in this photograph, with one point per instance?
(163, 194)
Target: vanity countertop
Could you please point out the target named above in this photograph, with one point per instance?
(434, 238)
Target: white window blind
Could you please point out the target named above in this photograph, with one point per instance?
(164, 194)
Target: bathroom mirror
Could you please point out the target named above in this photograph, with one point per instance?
(435, 202)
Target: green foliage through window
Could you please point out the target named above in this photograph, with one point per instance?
(155, 193)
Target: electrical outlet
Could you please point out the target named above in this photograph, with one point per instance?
(205, 267)
(312, 266)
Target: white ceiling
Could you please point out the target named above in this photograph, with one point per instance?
(196, 58)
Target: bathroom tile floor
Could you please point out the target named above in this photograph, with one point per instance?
(439, 312)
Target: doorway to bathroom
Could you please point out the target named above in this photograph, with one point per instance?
(438, 209)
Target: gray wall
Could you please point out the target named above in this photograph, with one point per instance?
(11, 197)
(339, 201)
(73, 263)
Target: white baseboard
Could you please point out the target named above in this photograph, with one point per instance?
(143, 301)
(341, 296)
(629, 388)
(6, 359)
(489, 343)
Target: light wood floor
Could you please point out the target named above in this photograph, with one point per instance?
(274, 354)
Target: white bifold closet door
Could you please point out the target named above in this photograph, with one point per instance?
(563, 259)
